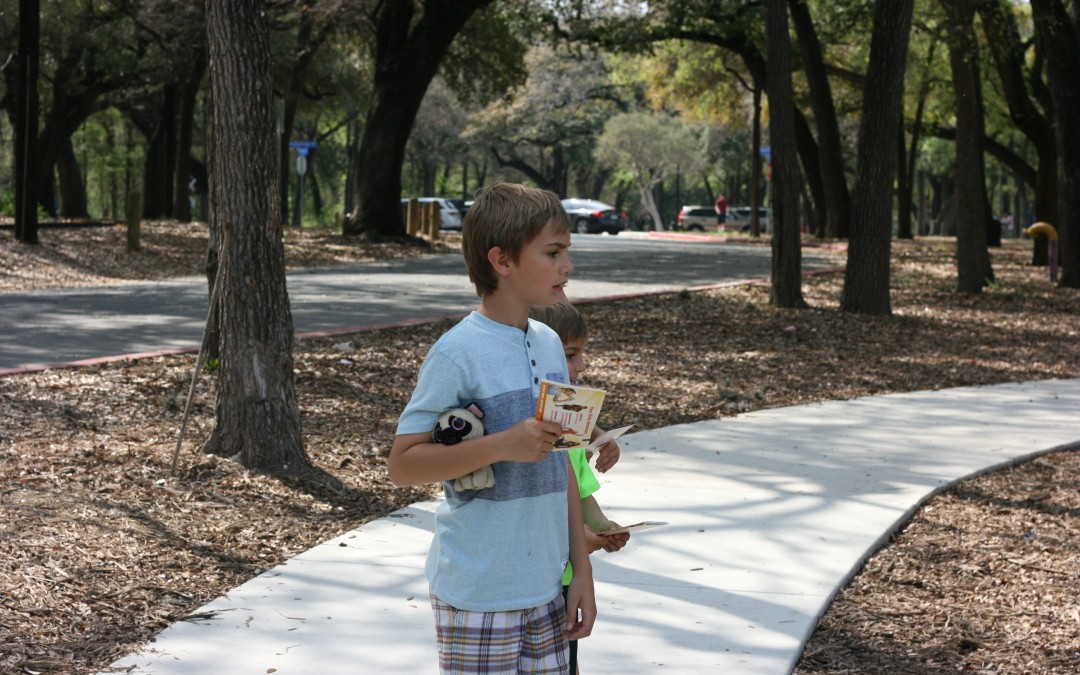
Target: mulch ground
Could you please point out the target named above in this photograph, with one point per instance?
(101, 546)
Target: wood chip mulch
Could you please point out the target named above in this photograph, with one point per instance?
(101, 548)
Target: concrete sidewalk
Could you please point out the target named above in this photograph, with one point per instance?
(771, 513)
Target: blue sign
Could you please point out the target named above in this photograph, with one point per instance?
(766, 152)
(303, 147)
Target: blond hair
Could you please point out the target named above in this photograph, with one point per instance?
(507, 215)
(564, 319)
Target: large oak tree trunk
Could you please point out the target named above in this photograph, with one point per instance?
(26, 123)
(1058, 37)
(257, 415)
(407, 56)
(1009, 52)
(866, 278)
(973, 270)
(158, 181)
(185, 126)
(837, 205)
(72, 186)
(786, 241)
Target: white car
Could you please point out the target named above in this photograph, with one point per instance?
(450, 217)
(738, 218)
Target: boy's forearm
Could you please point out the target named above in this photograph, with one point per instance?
(416, 460)
(579, 552)
(580, 597)
(592, 514)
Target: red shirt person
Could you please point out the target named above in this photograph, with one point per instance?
(721, 209)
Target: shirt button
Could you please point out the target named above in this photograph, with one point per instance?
(534, 362)
(528, 344)
(536, 380)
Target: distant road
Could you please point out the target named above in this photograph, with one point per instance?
(67, 325)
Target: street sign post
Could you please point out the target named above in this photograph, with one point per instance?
(302, 149)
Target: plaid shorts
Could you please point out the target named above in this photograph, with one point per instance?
(518, 641)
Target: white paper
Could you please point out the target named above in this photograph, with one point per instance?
(607, 436)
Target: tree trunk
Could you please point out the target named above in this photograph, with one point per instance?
(72, 186)
(1009, 54)
(257, 415)
(185, 124)
(866, 278)
(1056, 33)
(786, 240)
(837, 206)
(755, 165)
(161, 158)
(972, 257)
(810, 158)
(407, 56)
(908, 164)
(27, 107)
(308, 42)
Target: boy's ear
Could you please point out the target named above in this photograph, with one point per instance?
(500, 261)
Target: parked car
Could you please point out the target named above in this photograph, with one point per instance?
(450, 216)
(461, 205)
(739, 218)
(696, 218)
(589, 216)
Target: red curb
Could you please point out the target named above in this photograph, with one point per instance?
(761, 241)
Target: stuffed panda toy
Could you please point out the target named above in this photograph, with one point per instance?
(462, 424)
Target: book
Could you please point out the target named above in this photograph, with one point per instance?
(573, 407)
(637, 527)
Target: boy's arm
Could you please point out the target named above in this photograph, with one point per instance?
(416, 460)
(580, 596)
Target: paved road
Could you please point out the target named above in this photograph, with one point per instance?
(64, 326)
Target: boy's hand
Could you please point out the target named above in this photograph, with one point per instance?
(531, 440)
(580, 600)
(594, 542)
(608, 455)
(612, 542)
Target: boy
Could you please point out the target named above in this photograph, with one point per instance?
(569, 325)
(498, 553)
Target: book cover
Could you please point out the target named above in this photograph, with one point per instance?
(573, 407)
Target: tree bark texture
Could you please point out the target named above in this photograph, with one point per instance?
(26, 123)
(73, 202)
(407, 57)
(755, 165)
(909, 160)
(1058, 38)
(1008, 52)
(161, 157)
(973, 270)
(257, 415)
(786, 239)
(810, 157)
(837, 206)
(185, 126)
(866, 278)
